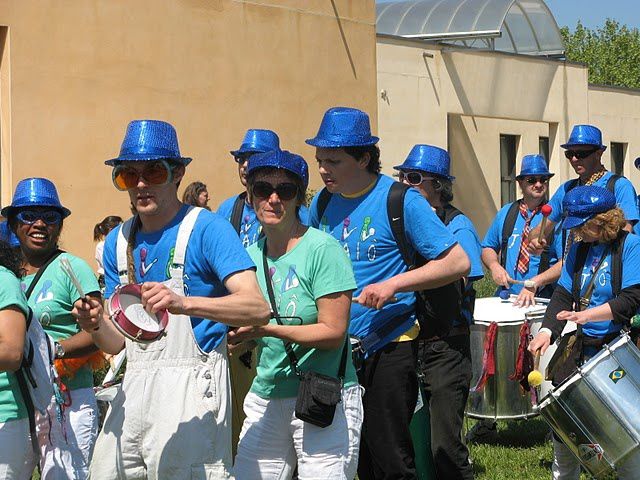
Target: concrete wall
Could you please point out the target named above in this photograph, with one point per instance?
(73, 73)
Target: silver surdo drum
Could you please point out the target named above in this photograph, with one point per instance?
(596, 411)
(501, 398)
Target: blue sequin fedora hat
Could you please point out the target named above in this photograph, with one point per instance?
(281, 159)
(344, 127)
(35, 192)
(429, 159)
(585, 135)
(534, 165)
(258, 141)
(147, 140)
(583, 203)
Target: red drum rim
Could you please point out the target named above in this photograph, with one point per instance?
(128, 328)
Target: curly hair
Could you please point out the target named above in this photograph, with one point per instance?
(607, 225)
(192, 192)
(374, 164)
(11, 259)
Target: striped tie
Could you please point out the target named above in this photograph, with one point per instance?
(523, 255)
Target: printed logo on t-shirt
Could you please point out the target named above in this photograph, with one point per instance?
(45, 294)
(588, 271)
(366, 233)
(144, 266)
(245, 231)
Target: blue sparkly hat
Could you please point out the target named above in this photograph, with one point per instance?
(429, 159)
(35, 192)
(344, 127)
(281, 159)
(147, 140)
(585, 135)
(258, 141)
(582, 203)
(534, 165)
(7, 236)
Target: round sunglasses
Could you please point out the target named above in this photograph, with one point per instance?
(125, 177)
(413, 178)
(29, 217)
(285, 191)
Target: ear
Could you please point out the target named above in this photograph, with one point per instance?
(178, 173)
(363, 162)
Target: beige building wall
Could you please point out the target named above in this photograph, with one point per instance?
(463, 100)
(73, 73)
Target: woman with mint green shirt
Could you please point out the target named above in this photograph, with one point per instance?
(17, 458)
(67, 432)
(313, 282)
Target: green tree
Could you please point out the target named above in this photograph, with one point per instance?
(612, 52)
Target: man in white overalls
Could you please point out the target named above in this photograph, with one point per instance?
(172, 417)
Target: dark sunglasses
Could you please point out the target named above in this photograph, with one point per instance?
(156, 173)
(243, 157)
(579, 154)
(29, 217)
(534, 180)
(285, 191)
(413, 178)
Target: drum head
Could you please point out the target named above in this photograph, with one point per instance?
(137, 315)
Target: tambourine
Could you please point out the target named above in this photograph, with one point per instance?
(106, 392)
(130, 317)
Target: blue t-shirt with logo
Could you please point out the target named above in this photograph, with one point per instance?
(250, 228)
(465, 234)
(624, 192)
(361, 225)
(602, 290)
(213, 254)
(493, 240)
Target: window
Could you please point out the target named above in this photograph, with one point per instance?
(543, 148)
(618, 151)
(508, 152)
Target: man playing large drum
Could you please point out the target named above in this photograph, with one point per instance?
(171, 419)
(599, 290)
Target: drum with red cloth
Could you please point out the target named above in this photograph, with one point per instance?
(500, 360)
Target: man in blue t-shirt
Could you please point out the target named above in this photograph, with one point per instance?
(445, 363)
(507, 256)
(382, 315)
(172, 415)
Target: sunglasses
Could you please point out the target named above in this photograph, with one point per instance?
(579, 154)
(413, 178)
(29, 217)
(285, 191)
(156, 173)
(243, 157)
(534, 180)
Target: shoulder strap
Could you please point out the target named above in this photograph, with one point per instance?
(617, 250)
(176, 269)
(323, 201)
(611, 183)
(448, 213)
(395, 212)
(39, 274)
(507, 229)
(570, 185)
(236, 212)
(581, 257)
(121, 250)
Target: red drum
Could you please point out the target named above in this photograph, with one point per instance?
(130, 317)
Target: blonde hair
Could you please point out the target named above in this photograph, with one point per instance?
(607, 225)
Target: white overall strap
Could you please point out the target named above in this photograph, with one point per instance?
(121, 251)
(176, 269)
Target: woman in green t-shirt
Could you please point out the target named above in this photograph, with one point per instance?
(312, 282)
(67, 433)
(17, 458)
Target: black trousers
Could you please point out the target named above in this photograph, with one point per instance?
(391, 392)
(445, 368)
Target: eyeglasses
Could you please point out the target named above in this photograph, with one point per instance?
(156, 173)
(413, 178)
(285, 191)
(579, 154)
(242, 157)
(534, 180)
(29, 217)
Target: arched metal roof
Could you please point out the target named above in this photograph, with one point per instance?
(517, 26)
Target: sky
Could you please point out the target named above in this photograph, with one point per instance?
(593, 13)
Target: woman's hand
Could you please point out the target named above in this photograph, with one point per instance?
(89, 313)
(239, 335)
(238, 349)
(540, 343)
(157, 296)
(577, 317)
(526, 297)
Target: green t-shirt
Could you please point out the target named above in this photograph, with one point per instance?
(52, 301)
(315, 267)
(11, 403)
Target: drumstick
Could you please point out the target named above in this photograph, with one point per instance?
(66, 268)
(535, 378)
(546, 211)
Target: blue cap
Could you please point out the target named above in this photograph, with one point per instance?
(534, 165)
(7, 236)
(281, 159)
(35, 192)
(582, 203)
(147, 140)
(344, 127)
(429, 159)
(258, 141)
(585, 135)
